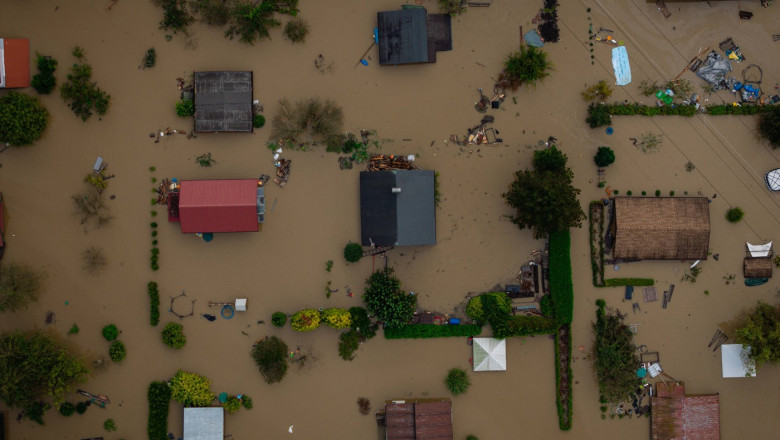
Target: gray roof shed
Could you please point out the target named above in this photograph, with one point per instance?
(403, 218)
(223, 101)
(411, 36)
(204, 423)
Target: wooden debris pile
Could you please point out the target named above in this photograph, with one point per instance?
(381, 162)
(282, 172)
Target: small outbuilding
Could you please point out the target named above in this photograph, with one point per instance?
(677, 416)
(397, 208)
(223, 101)
(736, 362)
(489, 354)
(204, 423)
(219, 205)
(661, 228)
(14, 63)
(417, 419)
(412, 36)
(760, 267)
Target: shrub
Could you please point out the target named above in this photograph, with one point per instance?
(336, 318)
(67, 409)
(615, 282)
(23, 119)
(385, 299)
(81, 407)
(109, 425)
(527, 66)
(730, 109)
(150, 58)
(212, 12)
(110, 332)
(349, 342)
(616, 192)
(81, 93)
(452, 7)
(296, 30)
(159, 398)
(270, 354)
(246, 402)
(629, 192)
(598, 115)
(658, 193)
(321, 120)
(457, 381)
(597, 92)
(191, 389)
(154, 303)
(176, 17)
(362, 323)
(251, 21)
(173, 335)
(205, 160)
(671, 193)
(44, 82)
(475, 311)
(74, 329)
(546, 306)
(523, 326)
(760, 329)
(644, 193)
(117, 351)
(94, 260)
(604, 157)
(306, 320)
(734, 215)
(419, 331)
(258, 121)
(353, 252)
(769, 125)
(232, 404)
(185, 108)
(279, 319)
(561, 285)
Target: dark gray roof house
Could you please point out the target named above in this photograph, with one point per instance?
(411, 36)
(223, 101)
(397, 208)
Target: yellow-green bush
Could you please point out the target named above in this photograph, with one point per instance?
(306, 320)
(337, 318)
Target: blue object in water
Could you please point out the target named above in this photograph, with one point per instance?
(737, 85)
(376, 35)
(641, 372)
(227, 311)
(454, 321)
(208, 236)
(364, 62)
(610, 130)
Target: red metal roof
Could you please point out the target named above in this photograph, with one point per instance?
(218, 206)
(676, 416)
(16, 62)
(417, 421)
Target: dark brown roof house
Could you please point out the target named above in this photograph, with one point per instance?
(661, 228)
(418, 419)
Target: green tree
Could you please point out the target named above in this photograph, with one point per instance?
(20, 284)
(252, 22)
(769, 127)
(614, 355)
(604, 157)
(270, 355)
(173, 335)
(525, 67)
(761, 331)
(191, 390)
(457, 381)
(81, 93)
(385, 299)
(550, 159)
(44, 81)
(734, 215)
(34, 366)
(23, 119)
(544, 199)
(353, 252)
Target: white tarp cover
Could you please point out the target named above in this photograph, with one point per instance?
(204, 423)
(621, 66)
(489, 354)
(773, 180)
(735, 361)
(759, 250)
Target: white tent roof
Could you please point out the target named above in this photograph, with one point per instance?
(735, 361)
(204, 423)
(489, 354)
(773, 180)
(759, 250)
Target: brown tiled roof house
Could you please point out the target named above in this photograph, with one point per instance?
(677, 416)
(419, 420)
(758, 267)
(661, 228)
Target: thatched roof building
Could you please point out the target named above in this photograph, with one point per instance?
(661, 228)
(223, 101)
(758, 267)
(677, 416)
(430, 420)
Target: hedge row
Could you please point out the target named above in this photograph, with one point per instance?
(600, 114)
(615, 282)
(416, 331)
(564, 419)
(519, 325)
(154, 303)
(561, 285)
(728, 109)
(159, 397)
(647, 110)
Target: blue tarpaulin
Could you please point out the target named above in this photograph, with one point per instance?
(532, 38)
(621, 66)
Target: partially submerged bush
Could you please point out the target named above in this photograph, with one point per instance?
(44, 81)
(734, 215)
(306, 320)
(117, 352)
(385, 299)
(600, 92)
(598, 115)
(191, 390)
(258, 121)
(296, 30)
(110, 332)
(81, 93)
(94, 259)
(176, 17)
(349, 342)
(476, 311)
(528, 66)
(457, 381)
(452, 7)
(154, 303)
(185, 108)
(23, 119)
(769, 126)
(336, 318)
(319, 120)
(353, 252)
(279, 319)
(173, 335)
(67, 409)
(604, 157)
(159, 398)
(270, 354)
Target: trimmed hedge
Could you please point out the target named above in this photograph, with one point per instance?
(154, 304)
(728, 109)
(159, 396)
(598, 114)
(416, 331)
(647, 110)
(519, 325)
(561, 285)
(615, 282)
(564, 420)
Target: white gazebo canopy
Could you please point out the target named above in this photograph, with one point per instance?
(489, 354)
(760, 250)
(204, 423)
(735, 361)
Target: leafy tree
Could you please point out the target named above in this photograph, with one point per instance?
(604, 157)
(550, 159)
(270, 355)
(23, 119)
(20, 284)
(362, 323)
(44, 82)
(761, 331)
(246, 402)
(769, 127)
(117, 352)
(457, 381)
(252, 22)
(544, 198)
(191, 390)
(176, 17)
(81, 93)
(614, 355)
(353, 252)
(525, 67)
(734, 215)
(173, 335)
(306, 320)
(279, 319)
(36, 365)
(110, 332)
(385, 299)
(67, 409)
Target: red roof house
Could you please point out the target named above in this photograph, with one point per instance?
(14, 63)
(677, 416)
(218, 206)
(419, 420)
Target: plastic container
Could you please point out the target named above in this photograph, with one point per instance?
(454, 321)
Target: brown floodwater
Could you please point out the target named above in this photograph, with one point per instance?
(415, 109)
